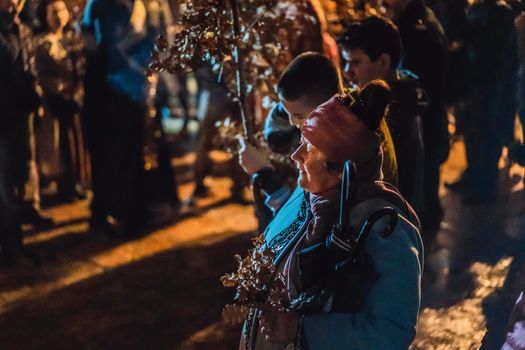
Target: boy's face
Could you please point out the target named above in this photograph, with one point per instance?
(359, 68)
(298, 110)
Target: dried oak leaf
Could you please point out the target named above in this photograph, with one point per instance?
(234, 314)
(230, 280)
(258, 241)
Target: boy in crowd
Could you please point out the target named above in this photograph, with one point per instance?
(371, 49)
(308, 81)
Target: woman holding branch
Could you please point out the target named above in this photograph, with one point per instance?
(370, 301)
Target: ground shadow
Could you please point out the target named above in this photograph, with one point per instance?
(152, 304)
(72, 245)
(473, 233)
(78, 220)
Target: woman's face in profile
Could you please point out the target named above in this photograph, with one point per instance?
(314, 176)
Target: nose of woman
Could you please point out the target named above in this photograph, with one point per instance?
(298, 154)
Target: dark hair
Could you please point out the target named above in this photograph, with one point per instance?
(312, 75)
(41, 16)
(375, 36)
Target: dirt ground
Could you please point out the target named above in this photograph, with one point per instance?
(162, 290)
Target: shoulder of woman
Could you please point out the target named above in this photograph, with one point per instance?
(404, 234)
(399, 255)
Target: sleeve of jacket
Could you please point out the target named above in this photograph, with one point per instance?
(389, 315)
(278, 133)
(17, 94)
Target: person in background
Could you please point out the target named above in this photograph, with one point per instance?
(519, 23)
(217, 106)
(18, 100)
(330, 48)
(161, 182)
(490, 108)
(517, 149)
(58, 65)
(118, 49)
(28, 14)
(371, 49)
(515, 338)
(27, 181)
(425, 54)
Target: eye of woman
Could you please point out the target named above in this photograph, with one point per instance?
(310, 148)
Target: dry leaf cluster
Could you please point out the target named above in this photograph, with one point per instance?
(268, 29)
(257, 283)
(228, 133)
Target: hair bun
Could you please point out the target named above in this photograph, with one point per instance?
(375, 97)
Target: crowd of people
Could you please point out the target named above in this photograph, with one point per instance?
(76, 113)
(407, 78)
(78, 109)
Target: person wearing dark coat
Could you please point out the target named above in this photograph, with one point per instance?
(371, 49)
(425, 54)
(18, 100)
(118, 47)
(491, 104)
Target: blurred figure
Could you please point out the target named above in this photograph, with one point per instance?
(452, 14)
(218, 106)
(115, 109)
(58, 66)
(27, 179)
(425, 54)
(371, 49)
(330, 48)
(490, 109)
(160, 176)
(28, 14)
(306, 36)
(515, 338)
(18, 100)
(519, 23)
